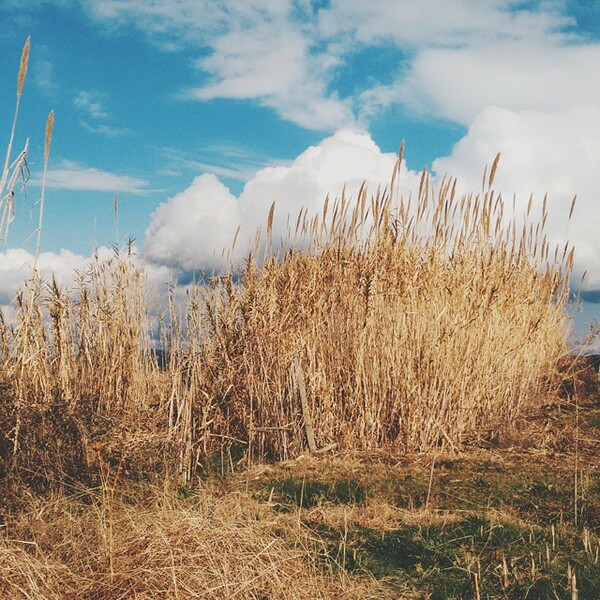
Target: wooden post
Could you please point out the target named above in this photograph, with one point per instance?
(310, 433)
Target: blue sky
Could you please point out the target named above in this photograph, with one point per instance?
(200, 113)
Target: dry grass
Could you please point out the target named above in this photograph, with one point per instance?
(413, 333)
(416, 327)
(203, 547)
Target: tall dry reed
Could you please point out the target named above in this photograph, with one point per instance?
(417, 325)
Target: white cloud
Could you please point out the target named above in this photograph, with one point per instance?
(272, 62)
(193, 229)
(74, 176)
(16, 265)
(89, 102)
(186, 230)
(557, 152)
(458, 84)
(435, 23)
(247, 67)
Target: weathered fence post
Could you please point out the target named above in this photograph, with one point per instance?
(310, 433)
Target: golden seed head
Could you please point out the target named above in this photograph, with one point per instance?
(270, 219)
(49, 126)
(493, 171)
(23, 67)
(573, 202)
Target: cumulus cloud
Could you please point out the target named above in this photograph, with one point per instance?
(557, 152)
(195, 227)
(457, 84)
(16, 265)
(190, 226)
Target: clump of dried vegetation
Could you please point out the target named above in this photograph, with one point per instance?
(390, 324)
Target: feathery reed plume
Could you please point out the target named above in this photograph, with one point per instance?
(270, 220)
(48, 136)
(20, 83)
(493, 171)
(23, 66)
(116, 216)
(573, 202)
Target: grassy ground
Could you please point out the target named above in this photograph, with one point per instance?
(517, 519)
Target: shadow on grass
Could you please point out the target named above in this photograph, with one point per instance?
(508, 560)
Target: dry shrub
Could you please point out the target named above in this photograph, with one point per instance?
(227, 547)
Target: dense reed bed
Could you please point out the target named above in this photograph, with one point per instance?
(416, 327)
(408, 326)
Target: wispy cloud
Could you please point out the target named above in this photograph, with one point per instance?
(104, 129)
(74, 176)
(43, 75)
(286, 54)
(229, 162)
(441, 23)
(262, 50)
(89, 103)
